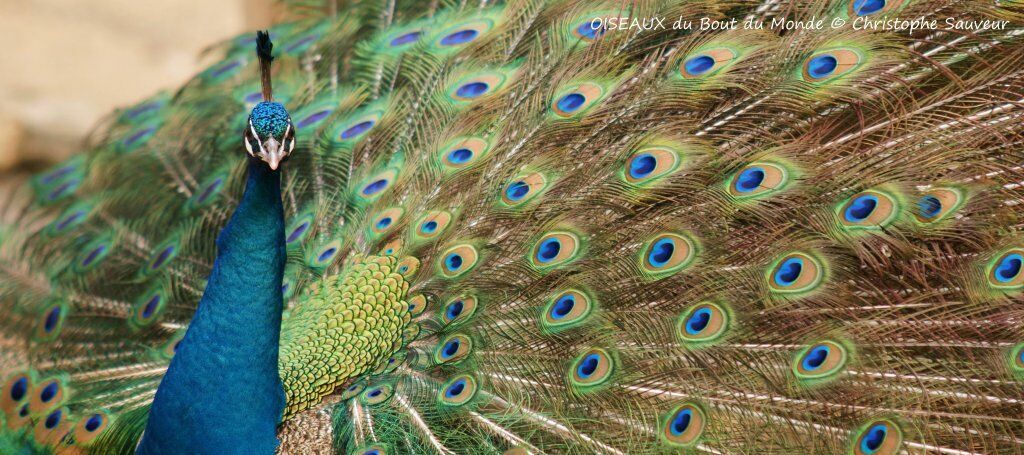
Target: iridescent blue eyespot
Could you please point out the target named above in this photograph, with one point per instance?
(789, 271)
(455, 389)
(460, 37)
(1009, 267)
(297, 232)
(313, 118)
(815, 357)
(588, 366)
(642, 165)
(326, 254)
(699, 65)
(571, 102)
(454, 309)
(357, 129)
(19, 388)
(749, 179)
(52, 319)
(517, 190)
(453, 261)
(53, 419)
(563, 306)
(548, 250)
(94, 422)
(383, 222)
(460, 156)
(49, 392)
(929, 207)
(821, 66)
(866, 7)
(590, 29)
(375, 187)
(472, 90)
(407, 38)
(698, 321)
(860, 208)
(429, 227)
(683, 426)
(661, 252)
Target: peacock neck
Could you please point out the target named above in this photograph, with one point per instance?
(222, 392)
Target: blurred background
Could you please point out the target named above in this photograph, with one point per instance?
(67, 63)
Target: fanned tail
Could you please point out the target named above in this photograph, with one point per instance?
(514, 230)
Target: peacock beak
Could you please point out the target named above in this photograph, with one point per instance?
(272, 153)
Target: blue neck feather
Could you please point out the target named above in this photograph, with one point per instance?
(222, 393)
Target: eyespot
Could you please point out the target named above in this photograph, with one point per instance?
(51, 321)
(311, 118)
(458, 390)
(758, 180)
(868, 210)
(47, 395)
(392, 248)
(649, 164)
(71, 218)
(207, 192)
(325, 255)
(299, 228)
(577, 100)
(706, 62)
(392, 363)
(375, 186)
(433, 224)
(405, 38)
(148, 309)
(347, 132)
(417, 305)
(15, 391)
(50, 429)
(477, 86)
(684, 425)
(146, 109)
(377, 395)
(90, 427)
(352, 390)
(702, 323)
(566, 309)
(458, 260)
(463, 153)
(453, 349)
(592, 368)
(878, 437)
(458, 310)
(795, 273)
(938, 204)
(830, 64)
(1017, 359)
(386, 220)
(170, 347)
(162, 255)
(1007, 270)
(868, 7)
(407, 267)
(303, 43)
(820, 360)
(589, 30)
(93, 255)
(373, 449)
(523, 188)
(668, 253)
(139, 137)
(465, 33)
(224, 69)
(555, 249)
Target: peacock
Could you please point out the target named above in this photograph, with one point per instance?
(415, 227)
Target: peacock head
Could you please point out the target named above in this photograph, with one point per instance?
(270, 135)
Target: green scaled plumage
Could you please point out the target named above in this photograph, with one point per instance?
(510, 234)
